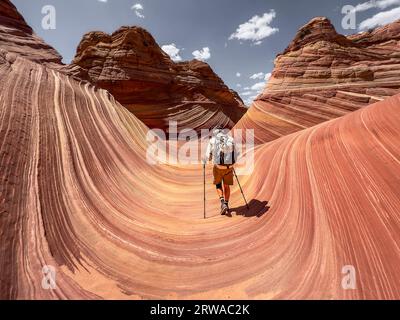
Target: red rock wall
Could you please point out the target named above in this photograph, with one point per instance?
(130, 64)
(323, 75)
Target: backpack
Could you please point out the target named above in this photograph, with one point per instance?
(224, 149)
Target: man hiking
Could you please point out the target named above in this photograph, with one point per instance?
(221, 150)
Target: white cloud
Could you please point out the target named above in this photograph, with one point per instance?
(172, 51)
(251, 93)
(258, 86)
(380, 4)
(239, 85)
(261, 75)
(102, 1)
(238, 74)
(256, 76)
(203, 54)
(250, 100)
(256, 29)
(380, 19)
(138, 8)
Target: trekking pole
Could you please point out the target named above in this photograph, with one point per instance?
(241, 190)
(204, 189)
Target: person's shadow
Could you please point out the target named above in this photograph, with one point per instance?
(257, 209)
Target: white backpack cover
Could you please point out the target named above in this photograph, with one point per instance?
(224, 149)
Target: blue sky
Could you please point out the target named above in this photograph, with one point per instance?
(238, 38)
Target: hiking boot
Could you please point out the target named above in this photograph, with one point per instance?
(224, 208)
(228, 211)
(227, 204)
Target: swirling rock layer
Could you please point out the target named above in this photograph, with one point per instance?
(130, 64)
(323, 75)
(78, 194)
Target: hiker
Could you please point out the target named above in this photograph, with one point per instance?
(221, 150)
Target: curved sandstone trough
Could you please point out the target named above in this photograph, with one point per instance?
(78, 194)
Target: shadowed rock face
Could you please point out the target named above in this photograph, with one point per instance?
(130, 64)
(323, 75)
(16, 36)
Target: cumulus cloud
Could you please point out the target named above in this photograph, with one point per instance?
(256, 29)
(249, 100)
(260, 75)
(258, 87)
(380, 4)
(138, 8)
(256, 76)
(203, 54)
(173, 51)
(380, 19)
(102, 1)
(251, 93)
(238, 74)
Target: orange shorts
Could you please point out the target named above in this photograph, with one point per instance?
(224, 175)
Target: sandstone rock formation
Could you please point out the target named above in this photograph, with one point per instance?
(323, 75)
(131, 65)
(77, 195)
(16, 36)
